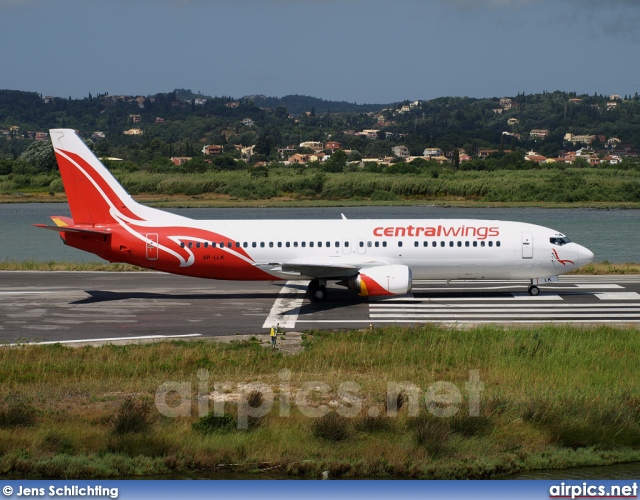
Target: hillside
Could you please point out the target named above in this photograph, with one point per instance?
(179, 123)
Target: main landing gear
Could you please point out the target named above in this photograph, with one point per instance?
(534, 291)
(317, 290)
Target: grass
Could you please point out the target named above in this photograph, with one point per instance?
(552, 397)
(568, 186)
(52, 265)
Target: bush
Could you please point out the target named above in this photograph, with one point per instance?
(18, 415)
(368, 423)
(331, 427)
(215, 423)
(430, 433)
(133, 417)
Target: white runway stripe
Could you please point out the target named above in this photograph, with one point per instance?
(389, 305)
(622, 307)
(524, 296)
(111, 339)
(498, 317)
(285, 309)
(618, 296)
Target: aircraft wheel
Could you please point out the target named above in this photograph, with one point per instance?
(318, 293)
(534, 291)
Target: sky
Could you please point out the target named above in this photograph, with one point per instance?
(364, 51)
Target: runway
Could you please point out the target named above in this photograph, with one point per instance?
(50, 307)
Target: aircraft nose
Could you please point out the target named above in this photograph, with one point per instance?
(584, 255)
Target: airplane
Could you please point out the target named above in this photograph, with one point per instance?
(378, 257)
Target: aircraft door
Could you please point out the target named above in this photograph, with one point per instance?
(152, 246)
(527, 245)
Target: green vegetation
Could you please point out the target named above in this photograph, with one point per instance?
(553, 397)
(429, 184)
(174, 125)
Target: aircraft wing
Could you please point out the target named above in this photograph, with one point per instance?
(321, 271)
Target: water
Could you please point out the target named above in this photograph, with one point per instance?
(612, 235)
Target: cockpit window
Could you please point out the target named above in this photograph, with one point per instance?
(559, 241)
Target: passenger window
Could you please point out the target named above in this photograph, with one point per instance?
(369, 244)
(319, 244)
(466, 244)
(475, 243)
(197, 244)
(295, 244)
(497, 243)
(327, 244)
(271, 244)
(279, 244)
(311, 244)
(190, 244)
(237, 244)
(361, 244)
(415, 244)
(206, 244)
(451, 243)
(303, 244)
(346, 244)
(245, 244)
(377, 244)
(182, 244)
(262, 244)
(442, 243)
(287, 244)
(399, 243)
(434, 244)
(425, 243)
(482, 243)
(459, 244)
(229, 244)
(253, 244)
(337, 244)
(491, 243)
(384, 243)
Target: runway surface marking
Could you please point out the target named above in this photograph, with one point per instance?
(286, 307)
(618, 295)
(112, 339)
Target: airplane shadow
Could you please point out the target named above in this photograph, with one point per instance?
(338, 297)
(104, 296)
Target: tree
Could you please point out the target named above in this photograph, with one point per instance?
(40, 155)
(336, 162)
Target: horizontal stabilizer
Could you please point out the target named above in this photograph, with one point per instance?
(69, 229)
(66, 225)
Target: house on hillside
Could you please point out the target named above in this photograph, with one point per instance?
(432, 152)
(212, 149)
(539, 133)
(535, 157)
(401, 151)
(180, 160)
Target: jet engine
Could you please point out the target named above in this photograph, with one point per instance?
(382, 280)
